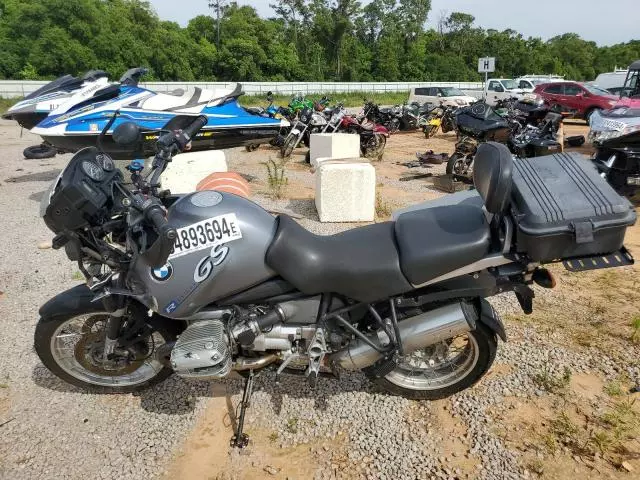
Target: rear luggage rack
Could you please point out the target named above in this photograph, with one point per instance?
(620, 258)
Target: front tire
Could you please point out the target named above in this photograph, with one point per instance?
(437, 383)
(79, 364)
(287, 148)
(460, 167)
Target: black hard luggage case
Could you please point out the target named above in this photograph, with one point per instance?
(563, 208)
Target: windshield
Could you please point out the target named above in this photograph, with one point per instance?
(509, 84)
(596, 90)
(452, 92)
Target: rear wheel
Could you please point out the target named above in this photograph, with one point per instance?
(251, 148)
(71, 347)
(374, 146)
(443, 369)
(460, 166)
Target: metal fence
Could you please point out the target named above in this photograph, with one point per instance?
(20, 88)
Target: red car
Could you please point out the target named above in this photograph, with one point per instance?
(580, 98)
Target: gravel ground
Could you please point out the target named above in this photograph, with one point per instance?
(50, 430)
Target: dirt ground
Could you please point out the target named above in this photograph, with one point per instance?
(587, 426)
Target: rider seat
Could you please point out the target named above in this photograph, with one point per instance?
(378, 261)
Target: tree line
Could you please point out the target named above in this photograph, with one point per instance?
(305, 40)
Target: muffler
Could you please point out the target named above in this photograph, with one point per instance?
(416, 332)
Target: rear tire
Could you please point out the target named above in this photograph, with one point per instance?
(455, 166)
(485, 344)
(37, 152)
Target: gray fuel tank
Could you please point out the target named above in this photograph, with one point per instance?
(221, 248)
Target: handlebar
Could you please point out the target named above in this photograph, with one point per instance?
(157, 255)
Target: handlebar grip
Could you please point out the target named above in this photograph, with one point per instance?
(159, 252)
(195, 127)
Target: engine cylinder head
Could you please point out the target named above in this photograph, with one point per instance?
(202, 351)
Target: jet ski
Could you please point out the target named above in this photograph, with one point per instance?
(36, 106)
(229, 125)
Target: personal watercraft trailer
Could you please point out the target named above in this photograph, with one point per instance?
(229, 125)
(36, 106)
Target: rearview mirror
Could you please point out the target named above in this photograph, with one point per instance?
(126, 134)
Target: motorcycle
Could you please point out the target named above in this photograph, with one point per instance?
(480, 123)
(387, 117)
(207, 283)
(373, 137)
(309, 121)
(271, 111)
(439, 117)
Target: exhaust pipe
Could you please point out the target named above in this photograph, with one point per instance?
(243, 363)
(416, 332)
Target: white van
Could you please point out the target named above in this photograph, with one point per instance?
(612, 81)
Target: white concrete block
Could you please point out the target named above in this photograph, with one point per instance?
(333, 145)
(346, 192)
(187, 169)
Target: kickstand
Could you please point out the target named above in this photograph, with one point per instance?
(241, 439)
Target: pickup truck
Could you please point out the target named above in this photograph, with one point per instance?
(501, 89)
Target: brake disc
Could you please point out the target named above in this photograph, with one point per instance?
(89, 353)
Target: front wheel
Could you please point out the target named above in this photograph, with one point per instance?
(71, 347)
(287, 148)
(460, 166)
(443, 369)
(430, 130)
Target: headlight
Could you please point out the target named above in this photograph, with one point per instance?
(460, 102)
(613, 103)
(604, 135)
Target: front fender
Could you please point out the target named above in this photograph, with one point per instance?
(72, 301)
(491, 319)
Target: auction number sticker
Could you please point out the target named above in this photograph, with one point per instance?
(206, 234)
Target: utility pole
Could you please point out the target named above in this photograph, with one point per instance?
(216, 4)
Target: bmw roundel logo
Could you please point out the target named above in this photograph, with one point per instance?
(163, 273)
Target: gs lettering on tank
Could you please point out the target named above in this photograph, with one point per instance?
(220, 250)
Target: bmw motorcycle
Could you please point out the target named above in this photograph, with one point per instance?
(208, 283)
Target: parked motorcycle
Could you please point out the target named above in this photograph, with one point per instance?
(387, 117)
(309, 121)
(442, 117)
(208, 283)
(480, 123)
(373, 137)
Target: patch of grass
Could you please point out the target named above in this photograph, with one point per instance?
(614, 388)
(553, 383)
(606, 434)
(77, 276)
(7, 103)
(349, 99)
(536, 466)
(292, 425)
(635, 327)
(383, 209)
(273, 437)
(4, 385)
(276, 177)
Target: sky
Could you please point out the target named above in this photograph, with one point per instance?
(606, 23)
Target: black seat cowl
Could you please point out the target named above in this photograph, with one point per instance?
(362, 264)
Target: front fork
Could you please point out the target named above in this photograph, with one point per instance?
(116, 305)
